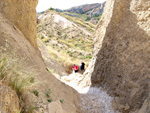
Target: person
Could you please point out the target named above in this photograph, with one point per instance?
(75, 68)
(82, 67)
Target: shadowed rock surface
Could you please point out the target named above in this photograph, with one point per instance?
(121, 60)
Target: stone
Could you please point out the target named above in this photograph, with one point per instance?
(55, 107)
(9, 101)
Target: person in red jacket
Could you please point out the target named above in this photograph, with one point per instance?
(75, 68)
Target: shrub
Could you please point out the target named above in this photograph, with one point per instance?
(89, 56)
(62, 100)
(96, 15)
(51, 8)
(36, 93)
(87, 19)
(68, 67)
(49, 100)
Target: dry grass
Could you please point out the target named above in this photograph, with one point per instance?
(14, 72)
(88, 26)
(68, 67)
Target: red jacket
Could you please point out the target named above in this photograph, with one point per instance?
(75, 68)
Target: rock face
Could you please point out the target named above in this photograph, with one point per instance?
(121, 60)
(15, 35)
(23, 15)
(9, 102)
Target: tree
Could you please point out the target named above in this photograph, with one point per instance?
(51, 8)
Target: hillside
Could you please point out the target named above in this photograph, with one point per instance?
(87, 12)
(82, 9)
(64, 38)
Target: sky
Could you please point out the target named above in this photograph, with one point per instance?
(63, 4)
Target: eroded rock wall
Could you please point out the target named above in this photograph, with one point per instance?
(18, 32)
(22, 13)
(122, 50)
(10, 35)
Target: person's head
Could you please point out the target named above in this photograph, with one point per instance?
(81, 61)
(74, 65)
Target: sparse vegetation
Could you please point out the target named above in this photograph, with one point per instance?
(88, 18)
(66, 45)
(51, 8)
(49, 100)
(32, 80)
(88, 26)
(35, 92)
(47, 93)
(14, 72)
(62, 100)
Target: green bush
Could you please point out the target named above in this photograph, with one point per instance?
(49, 100)
(89, 56)
(88, 18)
(51, 8)
(62, 100)
(36, 93)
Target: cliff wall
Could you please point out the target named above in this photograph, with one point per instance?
(121, 60)
(18, 32)
(22, 13)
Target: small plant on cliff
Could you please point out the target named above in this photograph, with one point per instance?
(47, 93)
(49, 100)
(62, 100)
(35, 92)
(32, 80)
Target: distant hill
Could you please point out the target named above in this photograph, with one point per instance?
(82, 9)
(87, 12)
